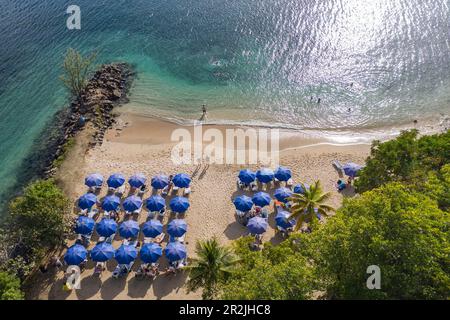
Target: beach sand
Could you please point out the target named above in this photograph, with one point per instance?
(142, 144)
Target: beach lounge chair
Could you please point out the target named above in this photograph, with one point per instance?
(122, 270)
(254, 186)
(179, 239)
(132, 242)
(165, 191)
(265, 212)
(93, 213)
(290, 183)
(120, 191)
(338, 167)
(142, 191)
(187, 191)
(151, 215)
(109, 240)
(158, 239)
(240, 184)
(99, 268)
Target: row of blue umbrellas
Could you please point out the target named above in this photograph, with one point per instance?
(116, 180)
(103, 251)
(130, 228)
(265, 175)
(261, 199)
(259, 225)
(132, 203)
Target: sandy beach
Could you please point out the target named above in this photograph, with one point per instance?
(142, 144)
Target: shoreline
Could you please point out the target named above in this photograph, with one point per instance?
(339, 136)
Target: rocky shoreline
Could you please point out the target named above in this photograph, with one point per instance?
(107, 89)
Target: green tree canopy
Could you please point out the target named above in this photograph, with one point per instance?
(305, 205)
(10, 287)
(398, 229)
(213, 265)
(274, 273)
(39, 217)
(406, 158)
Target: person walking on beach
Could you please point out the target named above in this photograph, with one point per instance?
(203, 113)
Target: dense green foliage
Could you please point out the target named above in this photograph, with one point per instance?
(276, 272)
(39, 215)
(37, 222)
(407, 159)
(401, 231)
(10, 287)
(213, 265)
(305, 205)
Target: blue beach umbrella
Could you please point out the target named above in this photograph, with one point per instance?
(175, 251)
(351, 169)
(150, 252)
(129, 229)
(106, 227)
(282, 220)
(125, 254)
(115, 180)
(243, 203)
(85, 225)
(181, 180)
(75, 255)
(247, 176)
(299, 188)
(102, 252)
(265, 175)
(261, 199)
(86, 201)
(283, 174)
(94, 180)
(152, 228)
(110, 203)
(137, 180)
(257, 225)
(160, 181)
(155, 203)
(177, 227)
(282, 194)
(132, 203)
(179, 204)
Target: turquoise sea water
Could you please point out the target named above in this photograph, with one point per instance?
(264, 61)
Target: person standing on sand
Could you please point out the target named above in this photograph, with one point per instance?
(203, 113)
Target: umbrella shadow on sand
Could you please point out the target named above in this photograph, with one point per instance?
(138, 288)
(163, 285)
(112, 287)
(235, 230)
(90, 286)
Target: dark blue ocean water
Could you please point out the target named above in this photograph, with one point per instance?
(263, 61)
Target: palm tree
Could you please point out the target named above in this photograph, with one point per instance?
(213, 264)
(306, 205)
